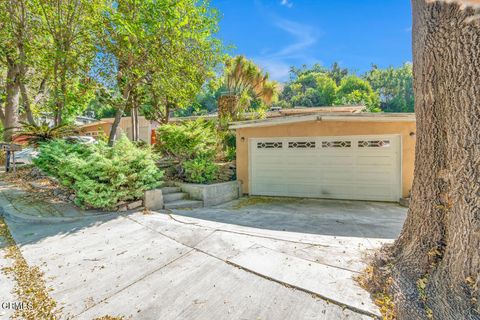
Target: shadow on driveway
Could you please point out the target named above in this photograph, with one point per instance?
(315, 216)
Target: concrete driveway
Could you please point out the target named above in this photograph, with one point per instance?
(316, 216)
(193, 264)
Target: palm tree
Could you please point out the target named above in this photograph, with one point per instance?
(244, 81)
(35, 134)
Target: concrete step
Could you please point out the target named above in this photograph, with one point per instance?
(167, 190)
(184, 204)
(170, 197)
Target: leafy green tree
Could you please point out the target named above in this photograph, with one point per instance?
(354, 90)
(205, 102)
(17, 33)
(68, 48)
(312, 86)
(394, 86)
(162, 52)
(311, 90)
(335, 72)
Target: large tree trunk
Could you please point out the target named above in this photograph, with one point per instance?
(12, 100)
(116, 122)
(26, 103)
(440, 241)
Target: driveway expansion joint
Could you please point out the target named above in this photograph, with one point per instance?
(238, 266)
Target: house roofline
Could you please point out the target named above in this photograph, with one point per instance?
(361, 117)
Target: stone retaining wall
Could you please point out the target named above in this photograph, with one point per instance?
(213, 194)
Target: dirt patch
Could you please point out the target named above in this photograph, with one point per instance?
(378, 280)
(39, 186)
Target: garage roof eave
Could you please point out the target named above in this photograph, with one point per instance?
(360, 117)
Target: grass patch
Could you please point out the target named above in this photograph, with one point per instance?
(30, 287)
(251, 201)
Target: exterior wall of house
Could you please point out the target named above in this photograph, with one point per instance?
(331, 128)
(103, 127)
(144, 126)
(96, 129)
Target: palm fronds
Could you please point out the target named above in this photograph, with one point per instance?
(35, 134)
(243, 76)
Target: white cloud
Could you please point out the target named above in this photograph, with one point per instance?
(277, 69)
(286, 3)
(305, 36)
(278, 63)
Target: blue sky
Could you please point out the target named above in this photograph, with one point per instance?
(278, 34)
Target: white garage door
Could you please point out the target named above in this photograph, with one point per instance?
(345, 167)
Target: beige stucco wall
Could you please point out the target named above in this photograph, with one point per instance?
(331, 128)
(95, 129)
(124, 127)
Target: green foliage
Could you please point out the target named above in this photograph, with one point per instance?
(196, 145)
(312, 90)
(101, 175)
(205, 102)
(200, 170)
(394, 86)
(36, 134)
(335, 72)
(188, 140)
(354, 90)
(319, 86)
(228, 140)
(55, 152)
(243, 78)
(162, 52)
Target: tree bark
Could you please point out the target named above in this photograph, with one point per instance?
(227, 107)
(118, 115)
(440, 241)
(135, 124)
(12, 100)
(26, 103)
(113, 130)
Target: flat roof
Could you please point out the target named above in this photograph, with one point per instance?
(331, 116)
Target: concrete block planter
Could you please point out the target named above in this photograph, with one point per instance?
(153, 199)
(213, 194)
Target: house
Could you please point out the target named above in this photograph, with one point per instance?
(147, 128)
(334, 155)
(103, 127)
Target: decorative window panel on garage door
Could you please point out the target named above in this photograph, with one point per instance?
(349, 167)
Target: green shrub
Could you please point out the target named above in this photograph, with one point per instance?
(56, 152)
(188, 140)
(229, 144)
(200, 170)
(100, 175)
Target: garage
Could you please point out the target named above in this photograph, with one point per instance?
(331, 155)
(340, 167)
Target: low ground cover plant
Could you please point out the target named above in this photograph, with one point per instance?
(101, 176)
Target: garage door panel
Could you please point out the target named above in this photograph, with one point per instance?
(332, 160)
(337, 191)
(359, 168)
(377, 192)
(373, 160)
